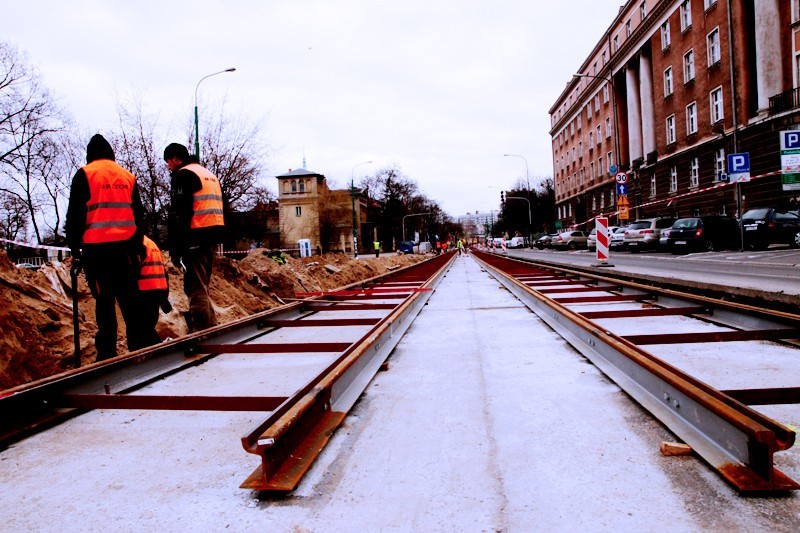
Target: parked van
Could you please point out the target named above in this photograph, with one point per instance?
(516, 242)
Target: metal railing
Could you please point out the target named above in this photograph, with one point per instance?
(784, 101)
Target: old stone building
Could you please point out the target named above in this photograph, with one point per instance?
(668, 92)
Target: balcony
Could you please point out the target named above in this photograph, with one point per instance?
(784, 101)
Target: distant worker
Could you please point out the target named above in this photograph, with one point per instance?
(196, 227)
(153, 295)
(460, 246)
(103, 231)
(377, 245)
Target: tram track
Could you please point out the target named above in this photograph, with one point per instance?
(586, 309)
(304, 365)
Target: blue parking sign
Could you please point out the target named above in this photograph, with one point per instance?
(739, 163)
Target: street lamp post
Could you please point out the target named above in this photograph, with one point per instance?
(196, 121)
(353, 192)
(528, 185)
(404, 221)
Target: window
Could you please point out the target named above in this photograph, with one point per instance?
(694, 174)
(717, 112)
(673, 179)
(603, 200)
(719, 163)
(610, 156)
(589, 111)
(302, 186)
(591, 139)
(709, 3)
(579, 123)
(608, 127)
(597, 103)
(671, 129)
(605, 93)
(580, 149)
(583, 176)
(591, 170)
(686, 15)
(594, 202)
(294, 186)
(688, 66)
(668, 81)
(298, 211)
(600, 169)
(599, 138)
(643, 10)
(615, 43)
(628, 28)
(666, 38)
(653, 185)
(712, 42)
(691, 118)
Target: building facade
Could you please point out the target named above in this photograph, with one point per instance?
(671, 89)
(310, 210)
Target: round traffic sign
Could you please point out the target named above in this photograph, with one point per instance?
(622, 177)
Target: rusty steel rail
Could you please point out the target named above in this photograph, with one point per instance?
(283, 440)
(736, 440)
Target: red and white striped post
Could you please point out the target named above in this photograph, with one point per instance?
(601, 223)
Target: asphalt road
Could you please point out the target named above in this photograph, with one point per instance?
(776, 270)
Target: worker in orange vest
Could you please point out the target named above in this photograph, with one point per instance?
(103, 230)
(153, 295)
(196, 227)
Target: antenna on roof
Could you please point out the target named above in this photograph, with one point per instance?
(304, 157)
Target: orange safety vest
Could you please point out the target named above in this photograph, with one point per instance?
(208, 200)
(109, 211)
(153, 276)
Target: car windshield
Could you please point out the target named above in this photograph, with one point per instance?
(756, 214)
(621, 229)
(640, 225)
(685, 223)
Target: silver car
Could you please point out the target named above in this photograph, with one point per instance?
(645, 233)
(591, 240)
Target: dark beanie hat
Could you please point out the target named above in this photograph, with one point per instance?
(98, 148)
(176, 150)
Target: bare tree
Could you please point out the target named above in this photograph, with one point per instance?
(13, 216)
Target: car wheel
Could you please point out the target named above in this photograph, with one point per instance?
(709, 246)
(796, 240)
(571, 246)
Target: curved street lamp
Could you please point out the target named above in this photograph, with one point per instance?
(528, 184)
(196, 122)
(404, 222)
(353, 192)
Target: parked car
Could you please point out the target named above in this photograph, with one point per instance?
(617, 240)
(767, 225)
(407, 247)
(708, 233)
(645, 233)
(571, 240)
(545, 241)
(516, 242)
(591, 240)
(423, 248)
(497, 242)
(28, 266)
(662, 241)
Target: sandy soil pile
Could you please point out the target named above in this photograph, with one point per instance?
(36, 329)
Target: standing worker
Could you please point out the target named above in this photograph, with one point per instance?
(460, 246)
(103, 231)
(377, 245)
(196, 227)
(153, 295)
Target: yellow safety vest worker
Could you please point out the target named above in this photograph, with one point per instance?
(377, 245)
(208, 200)
(153, 276)
(109, 210)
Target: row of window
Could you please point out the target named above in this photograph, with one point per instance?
(578, 179)
(714, 57)
(716, 112)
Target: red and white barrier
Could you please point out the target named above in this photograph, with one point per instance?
(601, 223)
(504, 248)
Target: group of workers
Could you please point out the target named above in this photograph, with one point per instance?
(105, 233)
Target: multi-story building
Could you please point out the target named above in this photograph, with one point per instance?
(671, 89)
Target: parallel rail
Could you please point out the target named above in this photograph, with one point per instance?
(349, 333)
(733, 438)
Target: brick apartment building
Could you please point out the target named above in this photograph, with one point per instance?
(672, 88)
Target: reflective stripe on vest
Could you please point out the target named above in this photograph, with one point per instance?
(109, 211)
(207, 208)
(153, 276)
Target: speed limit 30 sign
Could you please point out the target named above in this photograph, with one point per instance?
(622, 178)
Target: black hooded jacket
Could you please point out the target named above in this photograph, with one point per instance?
(75, 225)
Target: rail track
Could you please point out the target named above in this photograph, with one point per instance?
(594, 313)
(304, 365)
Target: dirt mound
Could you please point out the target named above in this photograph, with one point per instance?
(36, 329)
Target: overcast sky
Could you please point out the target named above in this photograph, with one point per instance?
(440, 88)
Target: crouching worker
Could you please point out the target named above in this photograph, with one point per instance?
(153, 295)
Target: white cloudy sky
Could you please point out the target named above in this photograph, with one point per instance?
(441, 88)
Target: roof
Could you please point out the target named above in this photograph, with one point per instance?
(299, 172)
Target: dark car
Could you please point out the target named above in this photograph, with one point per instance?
(767, 225)
(704, 233)
(407, 247)
(545, 241)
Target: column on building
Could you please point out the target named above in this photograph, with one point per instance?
(634, 112)
(769, 71)
(648, 109)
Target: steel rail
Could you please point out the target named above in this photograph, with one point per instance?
(734, 439)
(34, 407)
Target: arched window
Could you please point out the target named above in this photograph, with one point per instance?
(308, 185)
(285, 186)
(302, 186)
(294, 186)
